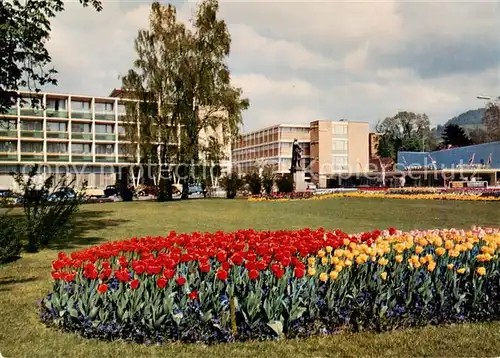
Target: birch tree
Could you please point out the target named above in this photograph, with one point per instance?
(183, 70)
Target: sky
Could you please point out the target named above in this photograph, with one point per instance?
(300, 61)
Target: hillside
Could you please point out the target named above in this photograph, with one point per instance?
(468, 120)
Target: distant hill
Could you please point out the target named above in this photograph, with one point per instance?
(468, 120)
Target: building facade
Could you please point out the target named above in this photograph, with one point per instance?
(271, 145)
(481, 162)
(337, 148)
(69, 134)
(330, 148)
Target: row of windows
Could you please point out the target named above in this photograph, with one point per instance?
(9, 124)
(76, 148)
(59, 104)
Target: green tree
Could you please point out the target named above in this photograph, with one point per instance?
(491, 120)
(478, 136)
(406, 131)
(24, 31)
(268, 178)
(185, 73)
(455, 135)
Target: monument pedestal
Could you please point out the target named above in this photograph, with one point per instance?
(299, 180)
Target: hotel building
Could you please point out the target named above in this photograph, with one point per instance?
(68, 134)
(271, 145)
(330, 148)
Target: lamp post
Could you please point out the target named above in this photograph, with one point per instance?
(489, 98)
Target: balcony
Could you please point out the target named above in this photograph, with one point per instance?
(31, 157)
(105, 158)
(81, 115)
(57, 135)
(105, 116)
(125, 159)
(81, 135)
(57, 157)
(8, 157)
(31, 112)
(11, 112)
(31, 133)
(105, 136)
(81, 157)
(8, 133)
(52, 113)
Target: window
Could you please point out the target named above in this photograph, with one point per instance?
(80, 106)
(32, 147)
(8, 147)
(339, 145)
(104, 107)
(339, 129)
(104, 128)
(104, 149)
(80, 127)
(81, 148)
(122, 110)
(56, 104)
(8, 124)
(57, 126)
(57, 148)
(31, 125)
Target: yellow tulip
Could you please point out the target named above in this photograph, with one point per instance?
(346, 242)
(311, 271)
(335, 260)
(419, 250)
(399, 258)
(431, 266)
(333, 275)
(450, 266)
(338, 268)
(440, 251)
(321, 253)
(461, 270)
(323, 277)
(338, 253)
(311, 261)
(383, 275)
(348, 263)
(329, 249)
(324, 260)
(448, 245)
(383, 261)
(481, 271)
(454, 253)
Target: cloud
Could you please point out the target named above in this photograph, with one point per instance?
(300, 61)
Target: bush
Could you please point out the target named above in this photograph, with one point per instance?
(253, 182)
(48, 208)
(268, 179)
(10, 234)
(246, 285)
(285, 183)
(231, 184)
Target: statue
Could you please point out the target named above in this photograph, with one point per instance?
(296, 155)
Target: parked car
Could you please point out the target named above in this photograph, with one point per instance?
(9, 198)
(62, 194)
(111, 190)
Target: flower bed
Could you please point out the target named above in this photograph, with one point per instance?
(244, 285)
(282, 196)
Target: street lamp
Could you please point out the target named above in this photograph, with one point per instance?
(489, 98)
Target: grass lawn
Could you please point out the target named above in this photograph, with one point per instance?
(27, 280)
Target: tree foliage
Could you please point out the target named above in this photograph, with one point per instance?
(24, 32)
(268, 178)
(406, 131)
(455, 135)
(491, 120)
(478, 136)
(184, 87)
